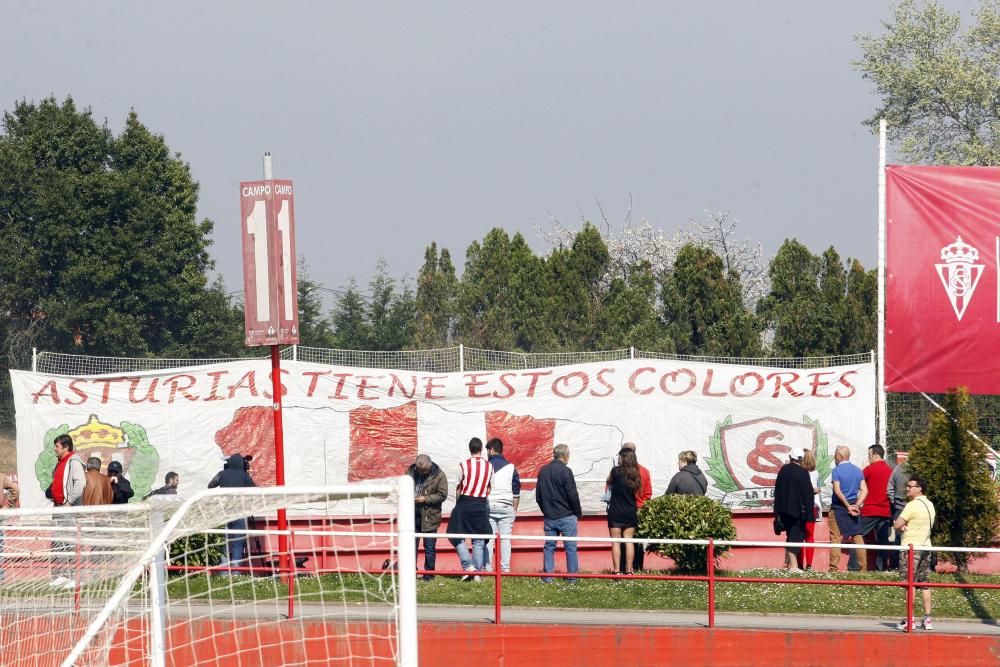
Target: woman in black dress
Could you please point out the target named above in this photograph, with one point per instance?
(624, 482)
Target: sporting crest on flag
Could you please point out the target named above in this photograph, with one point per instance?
(959, 274)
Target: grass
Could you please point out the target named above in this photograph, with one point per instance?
(790, 598)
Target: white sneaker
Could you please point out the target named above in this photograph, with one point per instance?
(60, 582)
(927, 624)
(902, 626)
(470, 577)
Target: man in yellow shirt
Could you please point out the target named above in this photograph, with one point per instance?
(915, 522)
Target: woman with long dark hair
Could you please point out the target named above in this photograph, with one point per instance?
(623, 481)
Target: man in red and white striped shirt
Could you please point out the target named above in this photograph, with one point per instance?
(472, 512)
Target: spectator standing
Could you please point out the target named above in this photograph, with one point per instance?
(809, 464)
(793, 503)
(471, 513)
(644, 494)
(916, 522)
(876, 508)
(97, 488)
(625, 483)
(848, 486)
(430, 490)
(689, 479)
(68, 482)
(505, 496)
(10, 492)
(234, 475)
(121, 488)
(559, 501)
(170, 483)
(896, 490)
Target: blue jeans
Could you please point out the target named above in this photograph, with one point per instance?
(477, 559)
(502, 519)
(430, 548)
(566, 527)
(236, 545)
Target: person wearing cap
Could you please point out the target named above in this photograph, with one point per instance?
(793, 504)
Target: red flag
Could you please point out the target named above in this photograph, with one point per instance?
(942, 279)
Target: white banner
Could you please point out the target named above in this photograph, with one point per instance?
(348, 424)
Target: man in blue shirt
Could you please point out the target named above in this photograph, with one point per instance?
(849, 491)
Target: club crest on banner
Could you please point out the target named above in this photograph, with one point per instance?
(746, 456)
(959, 274)
(127, 443)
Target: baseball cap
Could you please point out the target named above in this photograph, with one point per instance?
(796, 453)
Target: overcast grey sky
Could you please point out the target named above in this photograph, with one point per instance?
(403, 123)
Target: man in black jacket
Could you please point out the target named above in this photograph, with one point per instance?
(793, 503)
(234, 475)
(557, 498)
(121, 488)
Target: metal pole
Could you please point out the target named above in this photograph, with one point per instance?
(34, 360)
(291, 579)
(279, 437)
(909, 590)
(497, 591)
(711, 583)
(158, 590)
(406, 569)
(882, 401)
(461, 358)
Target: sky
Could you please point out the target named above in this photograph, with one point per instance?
(404, 123)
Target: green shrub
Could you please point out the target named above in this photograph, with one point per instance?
(683, 517)
(200, 549)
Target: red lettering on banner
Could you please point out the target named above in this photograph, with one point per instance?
(740, 380)
(398, 384)
(565, 379)
(843, 381)
(106, 393)
(339, 391)
(48, 388)
(672, 377)
(706, 387)
(607, 385)
(213, 394)
(779, 383)
(472, 381)
(635, 375)
(313, 381)
(74, 387)
(364, 385)
(763, 457)
(270, 377)
(534, 375)
(817, 383)
(176, 388)
(507, 385)
(248, 381)
(430, 385)
(150, 391)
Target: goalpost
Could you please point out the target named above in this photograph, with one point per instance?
(163, 582)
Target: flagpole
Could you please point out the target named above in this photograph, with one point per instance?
(882, 402)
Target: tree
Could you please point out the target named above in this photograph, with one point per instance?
(390, 312)
(105, 254)
(350, 329)
(485, 317)
(315, 329)
(629, 317)
(703, 306)
(434, 307)
(952, 460)
(939, 83)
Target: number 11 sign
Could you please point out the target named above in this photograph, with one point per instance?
(270, 292)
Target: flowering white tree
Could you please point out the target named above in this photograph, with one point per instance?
(644, 242)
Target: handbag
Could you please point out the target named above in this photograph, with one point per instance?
(779, 527)
(606, 498)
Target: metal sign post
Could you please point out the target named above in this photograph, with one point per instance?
(270, 295)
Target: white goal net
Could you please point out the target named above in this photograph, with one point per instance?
(213, 581)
